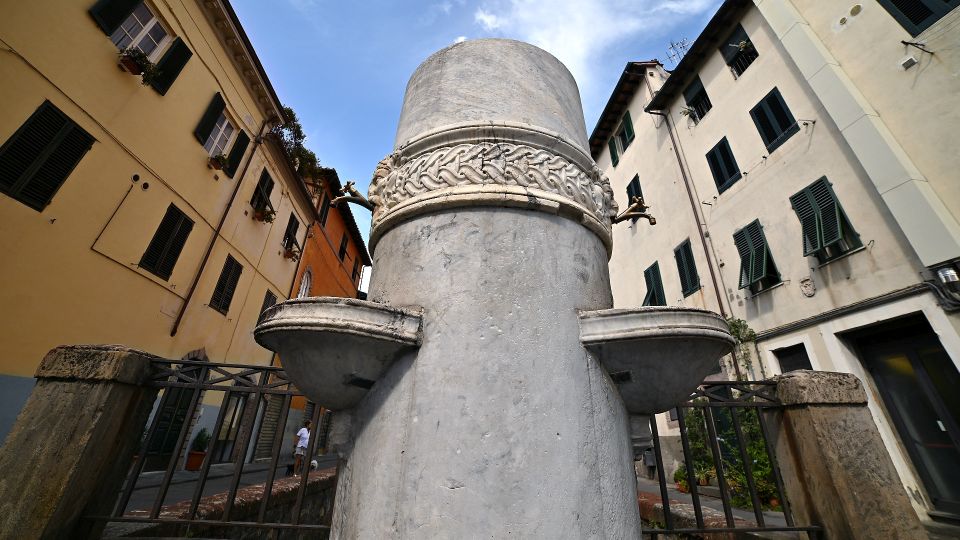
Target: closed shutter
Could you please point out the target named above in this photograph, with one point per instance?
(209, 119)
(324, 209)
(226, 285)
(918, 15)
(343, 247)
(687, 268)
(774, 120)
(628, 127)
(171, 65)
(109, 14)
(692, 92)
(269, 300)
(236, 153)
(167, 243)
(612, 144)
(723, 166)
(39, 157)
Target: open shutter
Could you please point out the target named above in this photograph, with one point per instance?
(806, 211)
(209, 119)
(758, 256)
(171, 65)
(742, 241)
(110, 14)
(167, 243)
(692, 90)
(831, 225)
(236, 153)
(612, 144)
(628, 126)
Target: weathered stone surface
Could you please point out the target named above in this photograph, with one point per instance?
(806, 387)
(836, 469)
(56, 451)
(96, 363)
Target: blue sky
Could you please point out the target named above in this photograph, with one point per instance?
(343, 65)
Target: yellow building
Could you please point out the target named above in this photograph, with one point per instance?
(149, 210)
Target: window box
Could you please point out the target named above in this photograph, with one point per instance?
(265, 214)
(218, 162)
(135, 62)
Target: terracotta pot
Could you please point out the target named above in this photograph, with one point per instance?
(194, 460)
(130, 65)
(215, 163)
(703, 482)
(681, 488)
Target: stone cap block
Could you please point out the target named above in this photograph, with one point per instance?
(114, 363)
(805, 387)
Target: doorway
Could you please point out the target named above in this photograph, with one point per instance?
(918, 382)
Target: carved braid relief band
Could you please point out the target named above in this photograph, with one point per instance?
(397, 180)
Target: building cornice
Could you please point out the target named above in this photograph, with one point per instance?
(623, 92)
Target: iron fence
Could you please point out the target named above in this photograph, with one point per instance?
(237, 490)
(725, 436)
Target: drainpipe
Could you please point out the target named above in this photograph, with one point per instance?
(216, 233)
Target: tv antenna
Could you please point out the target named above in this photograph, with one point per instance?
(677, 50)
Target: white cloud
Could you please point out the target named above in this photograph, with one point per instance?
(460, 39)
(578, 31)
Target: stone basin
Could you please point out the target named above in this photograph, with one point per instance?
(335, 349)
(655, 355)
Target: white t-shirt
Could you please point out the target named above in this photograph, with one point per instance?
(304, 435)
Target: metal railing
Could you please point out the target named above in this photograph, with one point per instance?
(725, 435)
(253, 413)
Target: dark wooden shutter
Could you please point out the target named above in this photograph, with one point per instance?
(269, 300)
(343, 246)
(828, 208)
(758, 255)
(167, 243)
(612, 144)
(633, 188)
(226, 285)
(809, 224)
(744, 250)
(209, 119)
(628, 126)
(290, 235)
(261, 195)
(236, 153)
(324, 209)
(687, 268)
(171, 65)
(692, 92)
(655, 295)
(110, 14)
(723, 165)
(730, 47)
(774, 120)
(918, 15)
(39, 157)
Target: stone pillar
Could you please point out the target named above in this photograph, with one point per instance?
(72, 443)
(836, 469)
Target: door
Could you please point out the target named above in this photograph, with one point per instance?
(919, 384)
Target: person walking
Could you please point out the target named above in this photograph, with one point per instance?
(303, 441)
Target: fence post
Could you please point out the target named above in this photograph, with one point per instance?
(836, 469)
(72, 443)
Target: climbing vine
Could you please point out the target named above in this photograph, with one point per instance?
(744, 336)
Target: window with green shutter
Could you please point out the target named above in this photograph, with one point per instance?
(37, 159)
(290, 234)
(689, 280)
(698, 103)
(621, 139)
(826, 229)
(261, 194)
(723, 166)
(774, 120)
(917, 15)
(757, 269)
(655, 296)
(167, 243)
(633, 190)
(226, 285)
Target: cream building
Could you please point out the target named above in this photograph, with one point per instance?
(800, 164)
(118, 226)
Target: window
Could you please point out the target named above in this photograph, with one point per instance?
(305, 283)
(269, 299)
(621, 139)
(698, 103)
(689, 280)
(141, 30)
(757, 269)
(343, 246)
(793, 358)
(918, 15)
(39, 157)
(773, 120)
(324, 209)
(167, 243)
(290, 234)
(132, 24)
(214, 132)
(723, 166)
(356, 270)
(633, 190)
(261, 194)
(226, 285)
(655, 296)
(738, 51)
(826, 230)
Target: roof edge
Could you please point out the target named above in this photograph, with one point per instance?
(600, 134)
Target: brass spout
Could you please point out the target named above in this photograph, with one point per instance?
(637, 209)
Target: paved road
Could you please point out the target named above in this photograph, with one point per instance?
(184, 483)
(771, 519)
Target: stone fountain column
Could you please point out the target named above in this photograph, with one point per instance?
(474, 389)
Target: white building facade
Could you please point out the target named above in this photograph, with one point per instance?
(799, 162)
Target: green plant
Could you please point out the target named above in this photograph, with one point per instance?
(744, 335)
(219, 161)
(264, 214)
(291, 136)
(148, 71)
(201, 441)
(680, 478)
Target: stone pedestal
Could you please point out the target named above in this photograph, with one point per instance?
(836, 469)
(73, 441)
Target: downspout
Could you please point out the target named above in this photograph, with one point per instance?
(216, 233)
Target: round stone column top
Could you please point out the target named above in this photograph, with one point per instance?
(495, 81)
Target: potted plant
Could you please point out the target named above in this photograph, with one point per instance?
(264, 214)
(688, 111)
(680, 478)
(218, 161)
(291, 252)
(198, 450)
(133, 61)
(703, 475)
